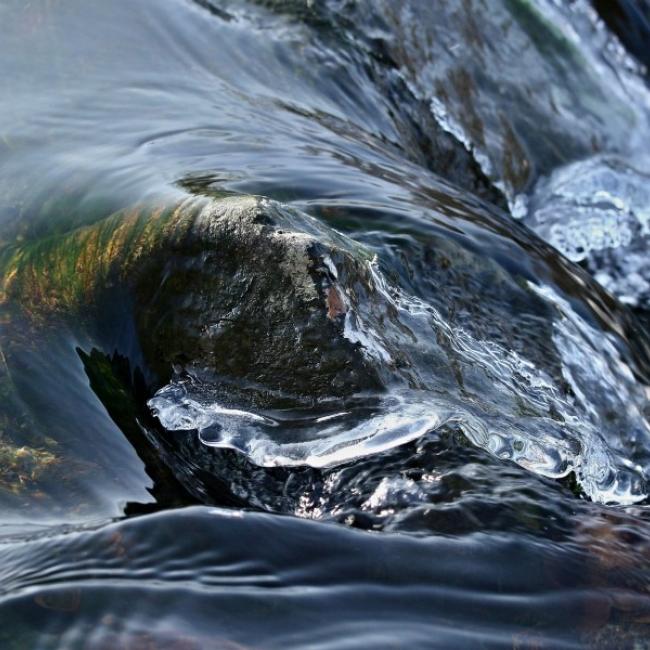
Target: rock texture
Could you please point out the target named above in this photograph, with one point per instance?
(231, 288)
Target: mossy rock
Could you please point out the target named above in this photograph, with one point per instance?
(235, 287)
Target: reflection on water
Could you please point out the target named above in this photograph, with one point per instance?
(455, 498)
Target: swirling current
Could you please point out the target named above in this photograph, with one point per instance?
(324, 324)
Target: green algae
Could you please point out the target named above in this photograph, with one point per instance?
(61, 272)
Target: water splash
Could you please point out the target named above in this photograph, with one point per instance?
(588, 420)
(598, 210)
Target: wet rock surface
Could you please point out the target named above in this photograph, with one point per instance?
(233, 287)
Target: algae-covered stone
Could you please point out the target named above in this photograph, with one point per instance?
(22, 466)
(237, 291)
(235, 288)
(268, 332)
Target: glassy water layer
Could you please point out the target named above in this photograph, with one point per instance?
(324, 324)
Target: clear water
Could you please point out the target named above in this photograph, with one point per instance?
(489, 162)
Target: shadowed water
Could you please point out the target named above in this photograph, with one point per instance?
(475, 176)
(141, 582)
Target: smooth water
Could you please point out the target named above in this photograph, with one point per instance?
(487, 163)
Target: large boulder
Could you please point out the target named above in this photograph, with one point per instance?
(229, 288)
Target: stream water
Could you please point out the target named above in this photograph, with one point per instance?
(480, 170)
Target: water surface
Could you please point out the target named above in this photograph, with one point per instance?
(489, 161)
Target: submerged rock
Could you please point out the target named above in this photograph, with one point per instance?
(23, 458)
(492, 73)
(539, 94)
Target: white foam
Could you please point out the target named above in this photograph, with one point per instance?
(598, 210)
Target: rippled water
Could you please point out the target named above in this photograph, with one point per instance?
(451, 449)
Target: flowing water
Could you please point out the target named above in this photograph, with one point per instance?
(470, 180)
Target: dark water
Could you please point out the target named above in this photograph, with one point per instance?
(508, 506)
